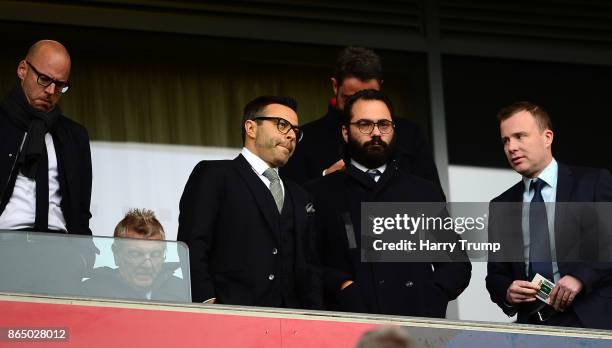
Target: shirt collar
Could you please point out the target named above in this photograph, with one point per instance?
(363, 168)
(549, 175)
(256, 163)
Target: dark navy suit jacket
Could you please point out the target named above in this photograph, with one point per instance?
(398, 288)
(581, 247)
(237, 252)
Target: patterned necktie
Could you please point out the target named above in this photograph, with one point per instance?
(540, 260)
(275, 187)
(373, 173)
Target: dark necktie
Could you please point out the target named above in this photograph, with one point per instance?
(540, 260)
(373, 173)
(41, 222)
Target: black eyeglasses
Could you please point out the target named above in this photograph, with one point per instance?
(367, 126)
(283, 126)
(46, 81)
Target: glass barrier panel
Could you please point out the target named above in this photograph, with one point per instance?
(100, 267)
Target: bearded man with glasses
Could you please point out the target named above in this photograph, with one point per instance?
(321, 153)
(373, 174)
(250, 233)
(45, 159)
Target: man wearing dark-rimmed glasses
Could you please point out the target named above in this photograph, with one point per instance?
(320, 153)
(45, 161)
(46, 81)
(373, 174)
(250, 232)
(283, 126)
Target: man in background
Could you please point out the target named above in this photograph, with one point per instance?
(322, 150)
(45, 160)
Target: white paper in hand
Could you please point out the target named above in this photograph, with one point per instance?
(546, 287)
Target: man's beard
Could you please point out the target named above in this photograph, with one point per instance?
(372, 154)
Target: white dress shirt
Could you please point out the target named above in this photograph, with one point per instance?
(259, 166)
(363, 168)
(20, 211)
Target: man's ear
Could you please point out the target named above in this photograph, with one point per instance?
(548, 137)
(22, 70)
(334, 85)
(345, 133)
(250, 129)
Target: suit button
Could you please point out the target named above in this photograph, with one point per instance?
(271, 277)
(274, 251)
(409, 284)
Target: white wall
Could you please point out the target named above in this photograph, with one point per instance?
(143, 176)
(153, 176)
(475, 184)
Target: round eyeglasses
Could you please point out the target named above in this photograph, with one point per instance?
(46, 81)
(367, 126)
(283, 126)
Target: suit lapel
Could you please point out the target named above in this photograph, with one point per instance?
(260, 192)
(374, 187)
(385, 177)
(565, 182)
(516, 192)
(516, 210)
(66, 160)
(361, 177)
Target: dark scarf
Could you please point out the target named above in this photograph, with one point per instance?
(36, 123)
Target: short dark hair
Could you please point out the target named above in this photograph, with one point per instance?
(256, 106)
(359, 62)
(538, 112)
(365, 94)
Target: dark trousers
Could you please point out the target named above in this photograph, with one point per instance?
(568, 318)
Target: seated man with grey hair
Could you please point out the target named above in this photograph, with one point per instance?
(142, 273)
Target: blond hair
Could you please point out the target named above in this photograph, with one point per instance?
(141, 221)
